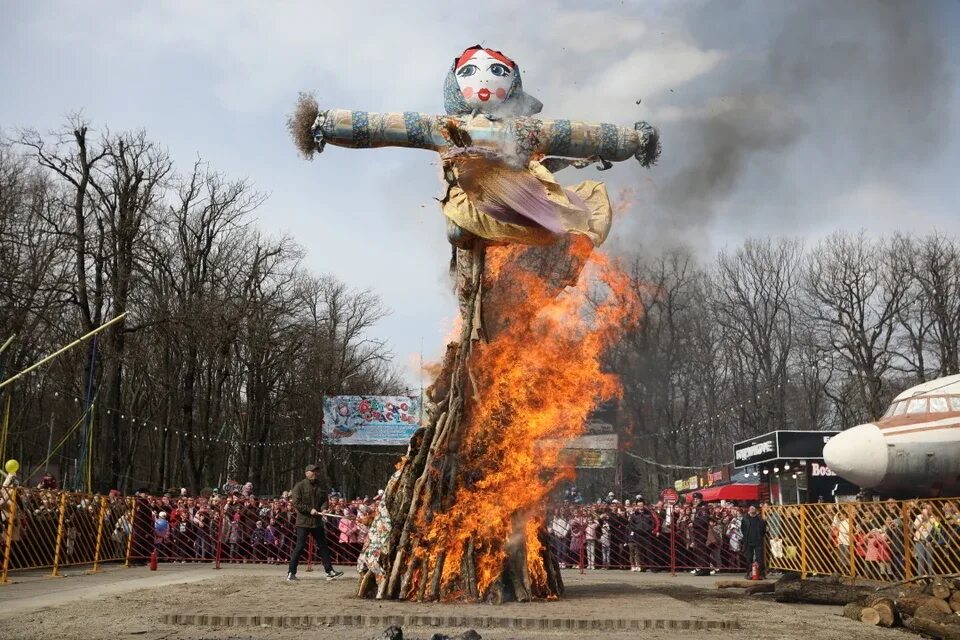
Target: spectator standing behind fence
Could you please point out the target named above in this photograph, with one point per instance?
(644, 527)
(308, 498)
(700, 526)
(841, 535)
(605, 540)
(559, 531)
(922, 529)
(752, 530)
(590, 539)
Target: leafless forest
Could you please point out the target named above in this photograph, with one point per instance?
(778, 334)
(230, 343)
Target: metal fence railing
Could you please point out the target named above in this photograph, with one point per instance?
(883, 541)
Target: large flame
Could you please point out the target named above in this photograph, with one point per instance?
(533, 386)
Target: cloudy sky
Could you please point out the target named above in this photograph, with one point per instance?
(788, 118)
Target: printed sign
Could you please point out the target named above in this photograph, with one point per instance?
(370, 420)
(669, 496)
(605, 441)
(589, 458)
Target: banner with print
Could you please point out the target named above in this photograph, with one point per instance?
(370, 420)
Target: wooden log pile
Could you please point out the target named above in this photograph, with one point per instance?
(929, 605)
(441, 464)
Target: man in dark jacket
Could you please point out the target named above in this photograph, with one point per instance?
(644, 525)
(309, 497)
(753, 527)
(700, 527)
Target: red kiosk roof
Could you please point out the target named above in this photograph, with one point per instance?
(740, 492)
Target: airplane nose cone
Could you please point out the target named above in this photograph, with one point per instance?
(858, 455)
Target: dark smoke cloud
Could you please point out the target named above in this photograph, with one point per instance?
(816, 96)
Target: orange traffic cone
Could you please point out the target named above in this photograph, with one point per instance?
(755, 571)
(153, 560)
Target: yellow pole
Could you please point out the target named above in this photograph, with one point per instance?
(96, 553)
(907, 541)
(130, 514)
(6, 427)
(851, 540)
(803, 541)
(9, 539)
(6, 416)
(62, 349)
(56, 553)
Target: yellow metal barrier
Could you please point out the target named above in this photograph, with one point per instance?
(882, 541)
(55, 529)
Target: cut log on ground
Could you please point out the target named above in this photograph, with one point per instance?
(741, 584)
(932, 629)
(858, 612)
(955, 601)
(939, 588)
(760, 587)
(908, 605)
(885, 608)
(815, 592)
(935, 615)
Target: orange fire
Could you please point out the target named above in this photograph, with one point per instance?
(535, 383)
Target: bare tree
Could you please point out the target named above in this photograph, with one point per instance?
(855, 289)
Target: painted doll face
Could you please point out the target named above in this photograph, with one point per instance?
(484, 79)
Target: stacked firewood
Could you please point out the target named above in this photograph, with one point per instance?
(929, 604)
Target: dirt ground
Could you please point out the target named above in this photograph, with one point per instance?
(128, 603)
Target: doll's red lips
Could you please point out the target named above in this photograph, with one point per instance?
(484, 94)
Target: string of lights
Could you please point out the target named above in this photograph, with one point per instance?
(160, 428)
(675, 466)
(730, 410)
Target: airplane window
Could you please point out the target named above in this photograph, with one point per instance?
(954, 403)
(917, 405)
(938, 405)
(901, 408)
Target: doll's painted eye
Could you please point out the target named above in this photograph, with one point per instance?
(498, 69)
(467, 70)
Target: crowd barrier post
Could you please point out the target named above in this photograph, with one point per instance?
(223, 508)
(8, 539)
(96, 551)
(803, 541)
(310, 550)
(852, 538)
(56, 553)
(133, 513)
(673, 544)
(582, 545)
(907, 542)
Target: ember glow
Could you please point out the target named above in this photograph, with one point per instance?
(533, 386)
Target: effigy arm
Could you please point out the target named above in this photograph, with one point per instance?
(521, 137)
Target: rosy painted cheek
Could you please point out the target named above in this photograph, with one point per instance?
(468, 92)
(502, 93)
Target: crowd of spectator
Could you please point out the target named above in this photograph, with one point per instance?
(233, 524)
(642, 536)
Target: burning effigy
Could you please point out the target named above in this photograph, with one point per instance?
(462, 517)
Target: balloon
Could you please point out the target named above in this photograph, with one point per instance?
(12, 466)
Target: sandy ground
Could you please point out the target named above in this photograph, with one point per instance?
(128, 603)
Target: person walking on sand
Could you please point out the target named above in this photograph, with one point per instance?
(308, 497)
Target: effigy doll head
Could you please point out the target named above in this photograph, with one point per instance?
(486, 81)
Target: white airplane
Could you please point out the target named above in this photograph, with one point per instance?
(913, 450)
